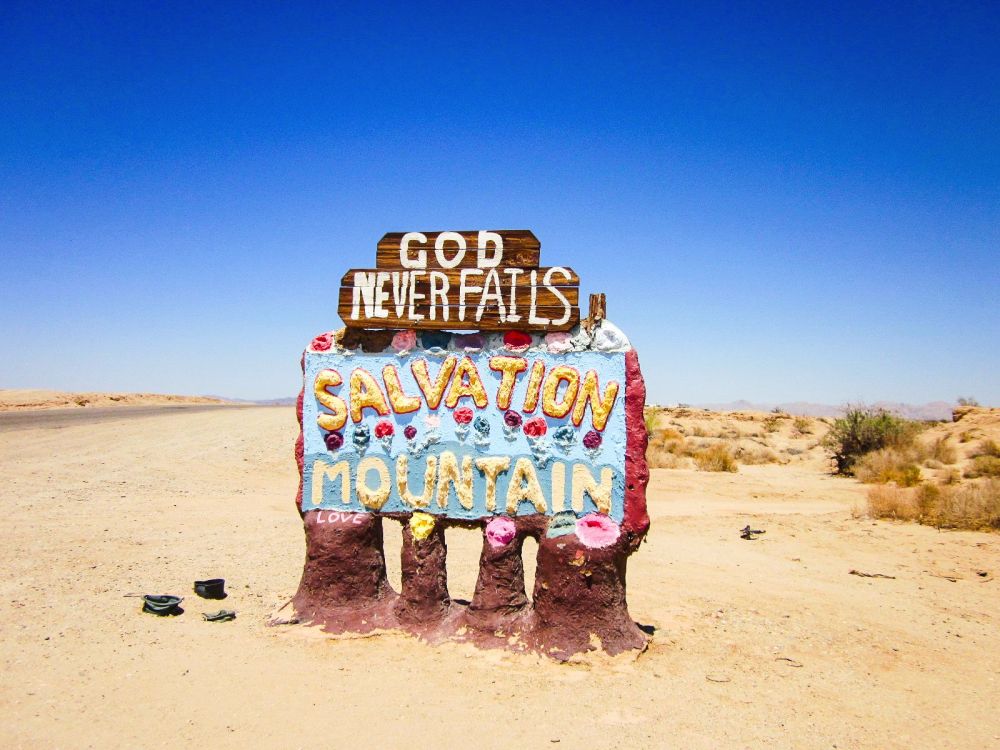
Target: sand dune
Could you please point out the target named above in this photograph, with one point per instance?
(765, 643)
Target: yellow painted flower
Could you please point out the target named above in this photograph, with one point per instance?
(421, 525)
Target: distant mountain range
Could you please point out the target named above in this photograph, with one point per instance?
(934, 411)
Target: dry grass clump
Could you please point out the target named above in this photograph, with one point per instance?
(975, 505)
(715, 458)
(939, 450)
(987, 448)
(983, 466)
(752, 457)
(888, 465)
(885, 501)
(801, 426)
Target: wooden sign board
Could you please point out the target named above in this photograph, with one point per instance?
(470, 280)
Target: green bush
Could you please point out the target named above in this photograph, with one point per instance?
(862, 430)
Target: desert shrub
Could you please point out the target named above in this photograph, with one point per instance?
(940, 450)
(802, 426)
(887, 465)
(649, 416)
(863, 430)
(886, 501)
(772, 422)
(967, 401)
(988, 448)
(983, 466)
(751, 456)
(715, 458)
(952, 477)
(975, 505)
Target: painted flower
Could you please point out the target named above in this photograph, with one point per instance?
(421, 525)
(500, 531)
(592, 440)
(597, 530)
(334, 441)
(384, 429)
(469, 341)
(463, 415)
(322, 342)
(409, 432)
(564, 437)
(361, 438)
(516, 341)
(481, 426)
(432, 421)
(404, 341)
(558, 342)
(535, 427)
(512, 418)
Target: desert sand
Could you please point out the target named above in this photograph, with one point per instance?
(14, 399)
(765, 643)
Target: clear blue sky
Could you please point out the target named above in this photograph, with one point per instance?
(782, 202)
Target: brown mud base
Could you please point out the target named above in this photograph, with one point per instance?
(578, 605)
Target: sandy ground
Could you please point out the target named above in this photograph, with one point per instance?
(769, 643)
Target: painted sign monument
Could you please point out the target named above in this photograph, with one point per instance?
(529, 425)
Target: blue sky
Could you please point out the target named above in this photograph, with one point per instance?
(782, 202)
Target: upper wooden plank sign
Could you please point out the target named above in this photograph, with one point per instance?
(472, 280)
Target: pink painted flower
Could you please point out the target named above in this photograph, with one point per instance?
(558, 342)
(321, 343)
(463, 415)
(384, 429)
(404, 341)
(592, 440)
(500, 531)
(409, 432)
(512, 418)
(597, 530)
(535, 427)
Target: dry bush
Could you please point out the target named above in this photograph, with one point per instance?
(939, 450)
(715, 458)
(975, 505)
(752, 457)
(664, 460)
(987, 448)
(802, 426)
(983, 466)
(772, 422)
(885, 501)
(888, 465)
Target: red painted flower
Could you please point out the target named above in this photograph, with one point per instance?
(592, 440)
(463, 415)
(511, 418)
(516, 340)
(322, 342)
(409, 432)
(535, 427)
(334, 441)
(384, 429)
